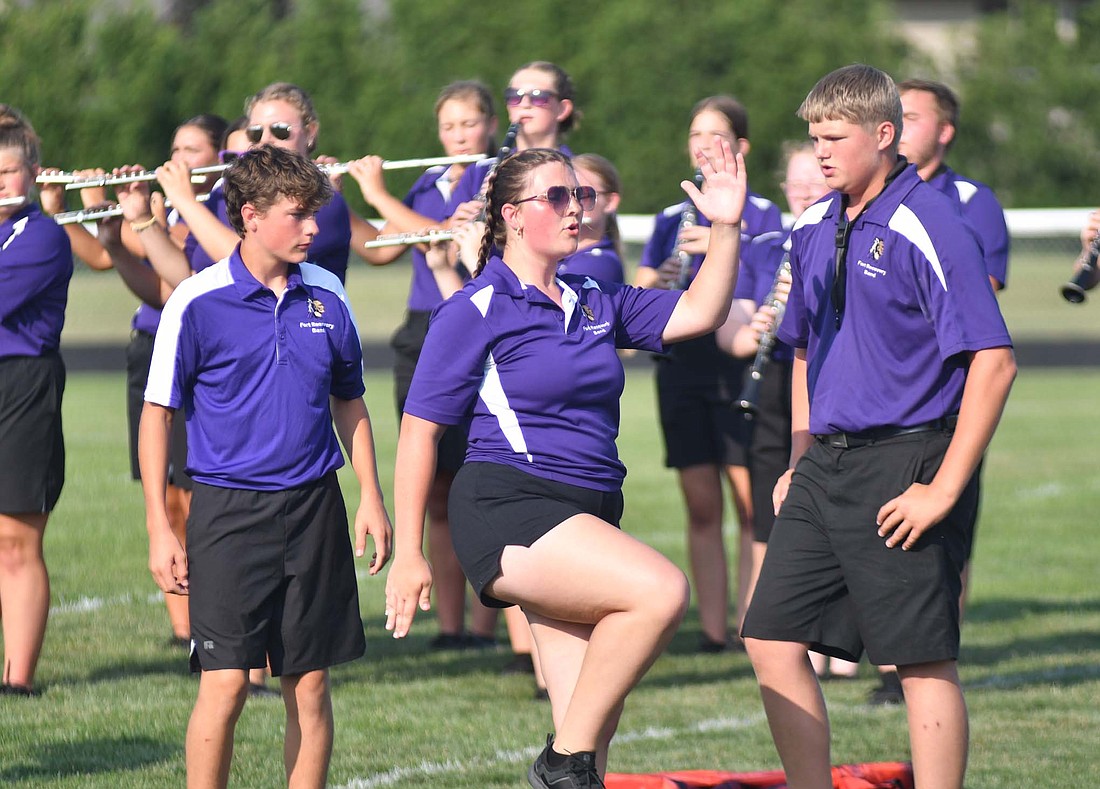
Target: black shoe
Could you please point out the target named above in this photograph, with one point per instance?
(521, 663)
(541, 694)
(474, 641)
(710, 647)
(577, 771)
(19, 690)
(259, 690)
(448, 641)
(889, 692)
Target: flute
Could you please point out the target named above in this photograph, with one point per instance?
(403, 239)
(747, 402)
(9, 201)
(115, 180)
(104, 212)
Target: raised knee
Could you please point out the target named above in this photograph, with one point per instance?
(670, 596)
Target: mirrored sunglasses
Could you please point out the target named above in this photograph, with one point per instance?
(538, 97)
(280, 131)
(559, 196)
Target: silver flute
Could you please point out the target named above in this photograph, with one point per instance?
(403, 239)
(103, 212)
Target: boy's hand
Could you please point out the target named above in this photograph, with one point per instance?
(905, 518)
(409, 584)
(779, 492)
(376, 523)
(168, 561)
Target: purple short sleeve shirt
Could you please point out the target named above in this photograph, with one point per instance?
(601, 262)
(981, 209)
(253, 373)
(916, 303)
(36, 264)
(539, 384)
(428, 197)
(329, 249)
(761, 215)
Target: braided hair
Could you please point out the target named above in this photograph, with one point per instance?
(506, 184)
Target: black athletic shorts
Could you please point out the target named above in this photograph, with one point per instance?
(139, 354)
(697, 387)
(492, 506)
(272, 577)
(407, 342)
(830, 581)
(770, 452)
(32, 447)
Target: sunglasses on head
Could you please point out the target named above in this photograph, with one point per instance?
(228, 157)
(538, 97)
(559, 196)
(280, 131)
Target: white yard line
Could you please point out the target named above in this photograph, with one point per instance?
(427, 769)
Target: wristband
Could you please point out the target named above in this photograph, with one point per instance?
(137, 227)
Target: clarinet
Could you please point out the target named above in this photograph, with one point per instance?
(689, 217)
(749, 394)
(1085, 279)
(506, 147)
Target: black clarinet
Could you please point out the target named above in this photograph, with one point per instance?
(1085, 279)
(751, 391)
(689, 217)
(506, 147)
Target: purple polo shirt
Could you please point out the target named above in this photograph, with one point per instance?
(981, 209)
(916, 302)
(539, 383)
(427, 197)
(36, 264)
(253, 374)
(761, 215)
(601, 262)
(760, 260)
(329, 249)
(146, 319)
(469, 185)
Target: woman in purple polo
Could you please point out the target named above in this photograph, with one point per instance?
(35, 268)
(529, 359)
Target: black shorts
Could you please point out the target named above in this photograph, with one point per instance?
(139, 354)
(272, 577)
(32, 447)
(407, 343)
(697, 387)
(770, 453)
(830, 581)
(492, 506)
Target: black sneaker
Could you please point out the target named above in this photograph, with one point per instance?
(448, 641)
(889, 692)
(522, 663)
(577, 771)
(19, 690)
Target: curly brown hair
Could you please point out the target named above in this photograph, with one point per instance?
(265, 174)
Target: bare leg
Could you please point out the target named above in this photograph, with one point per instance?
(587, 572)
(741, 490)
(210, 732)
(25, 591)
(796, 711)
(308, 746)
(178, 502)
(938, 727)
(702, 490)
(448, 579)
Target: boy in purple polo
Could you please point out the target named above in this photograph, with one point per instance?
(902, 368)
(261, 353)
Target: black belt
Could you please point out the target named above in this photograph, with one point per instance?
(865, 437)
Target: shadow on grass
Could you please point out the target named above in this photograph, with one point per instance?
(97, 755)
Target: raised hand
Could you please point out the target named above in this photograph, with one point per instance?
(725, 184)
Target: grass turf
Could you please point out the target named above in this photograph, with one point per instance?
(117, 696)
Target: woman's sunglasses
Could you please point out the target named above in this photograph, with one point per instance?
(559, 196)
(538, 97)
(280, 131)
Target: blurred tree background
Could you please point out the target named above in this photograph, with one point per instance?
(105, 84)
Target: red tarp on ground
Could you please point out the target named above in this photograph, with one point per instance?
(877, 775)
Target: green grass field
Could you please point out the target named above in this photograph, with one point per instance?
(117, 697)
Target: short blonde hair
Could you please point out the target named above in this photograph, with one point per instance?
(858, 94)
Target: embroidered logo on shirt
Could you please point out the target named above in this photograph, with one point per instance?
(877, 248)
(316, 307)
(587, 312)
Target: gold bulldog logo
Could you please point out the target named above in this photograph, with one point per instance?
(316, 307)
(587, 312)
(877, 248)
